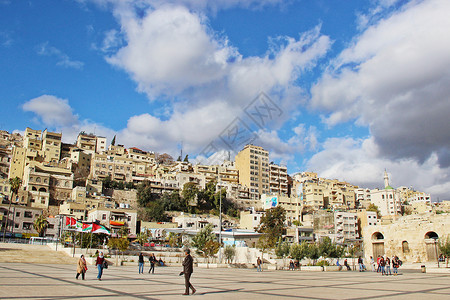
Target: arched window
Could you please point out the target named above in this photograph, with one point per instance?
(377, 236)
(34, 188)
(38, 179)
(42, 190)
(405, 247)
(431, 235)
(66, 184)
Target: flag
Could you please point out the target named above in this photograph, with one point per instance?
(70, 221)
(96, 228)
(87, 227)
(79, 226)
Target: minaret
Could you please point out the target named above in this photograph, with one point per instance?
(386, 179)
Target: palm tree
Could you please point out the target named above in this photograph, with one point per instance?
(15, 185)
(40, 225)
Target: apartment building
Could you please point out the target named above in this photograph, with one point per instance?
(51, 146)
(119, 168)
(5, 160)
(252, 163)
(278, 180)
(19, 221)
(226, 172)
(87, 142)
(346, 227)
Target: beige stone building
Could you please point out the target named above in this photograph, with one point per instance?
(51, 146)
(252, 162)
(412, 238)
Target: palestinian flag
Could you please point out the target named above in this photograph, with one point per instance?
(86, 227)
(71, 221)
(96, 228)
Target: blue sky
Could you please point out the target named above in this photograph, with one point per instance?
(360, 86)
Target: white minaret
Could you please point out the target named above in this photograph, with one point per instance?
(386, 179)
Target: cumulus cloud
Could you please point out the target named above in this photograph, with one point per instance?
(172, 53)
(395, 78)
(57, 114)
(51, 110)
(357, 161)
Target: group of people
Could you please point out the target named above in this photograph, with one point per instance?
(152, 259)
(383, 265)
(101, 263)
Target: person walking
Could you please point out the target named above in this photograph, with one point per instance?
(395, 265)
(188, 269)
(378, 264)
(81, 267)
(372, 262)
(388, 265)
(152, 260)
(362, 267)
(258, 265)
(382, 265)
(99, 263)
(141, 263)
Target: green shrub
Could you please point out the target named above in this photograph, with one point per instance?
(322, 263)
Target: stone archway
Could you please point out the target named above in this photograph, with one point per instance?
(431, 240)
(377, 244)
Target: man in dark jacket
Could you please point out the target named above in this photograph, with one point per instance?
(188, 268)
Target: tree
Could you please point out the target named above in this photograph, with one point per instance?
(113, 142)
(145, 194)
(164, 159)
(272, 223)
(444, 248)
(210, 248)
(40, 224)
(229, 252)
(175, 239)
(264, 243)
(202, 237)
(313, 252)
(327, 248)
(15, 186)
(299, 251)
(189, 193)
(282, 249)
(172, 201)
(154, 211)
(186, 158)
(373, 207)
(123, 231)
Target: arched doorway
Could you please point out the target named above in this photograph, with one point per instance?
(431, 239)
(377, 244)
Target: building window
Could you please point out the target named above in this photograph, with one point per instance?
(104, 217)
(405, 247)
(28, 214)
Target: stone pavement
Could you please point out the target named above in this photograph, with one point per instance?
(57, 281)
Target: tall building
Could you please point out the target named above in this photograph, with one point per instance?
(278, 180)
(252, 162)
(51, 146)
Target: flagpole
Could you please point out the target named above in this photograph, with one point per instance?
(90, 243)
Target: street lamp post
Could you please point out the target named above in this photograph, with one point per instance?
(220, 225)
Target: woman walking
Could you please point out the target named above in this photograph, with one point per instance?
(81, 267)
(99, 264)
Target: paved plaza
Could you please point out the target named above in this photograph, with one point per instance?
(52, 281)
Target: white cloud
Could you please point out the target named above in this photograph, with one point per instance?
(51, 110)
(63, 59)
(56, 114)
(395, 78)
(359, 162)
(173, 54)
